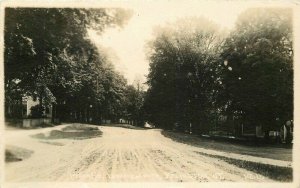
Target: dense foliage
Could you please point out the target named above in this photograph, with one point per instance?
(201, 78)
(49, 56)
(198, 75)
(259, 87)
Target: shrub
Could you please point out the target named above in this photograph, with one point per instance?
(37, 111)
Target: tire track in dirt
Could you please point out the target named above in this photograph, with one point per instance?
(153, 167)
(166, 165)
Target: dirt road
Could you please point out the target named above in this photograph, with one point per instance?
(116, 155)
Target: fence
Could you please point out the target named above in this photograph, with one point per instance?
(29, 123)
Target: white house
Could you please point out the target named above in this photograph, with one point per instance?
(29, 102)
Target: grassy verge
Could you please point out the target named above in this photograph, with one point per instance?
(284, 174)
(284, 154)
(75, 131)
(15, 154)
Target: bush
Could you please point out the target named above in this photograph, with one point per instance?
(37, 111)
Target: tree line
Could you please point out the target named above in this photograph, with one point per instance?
(201, 78)
(205, 79)
(49, 56)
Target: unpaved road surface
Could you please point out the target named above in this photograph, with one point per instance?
(117, 155)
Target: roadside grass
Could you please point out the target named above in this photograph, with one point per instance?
(53, 143)
(9, 157)
(80, 127)
(283, 174)
(15, 154)
(126, 126)
(75, 131)
(284, 154)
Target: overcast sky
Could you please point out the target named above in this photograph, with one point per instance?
(128, 43)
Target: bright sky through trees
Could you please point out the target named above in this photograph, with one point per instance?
(128, 45)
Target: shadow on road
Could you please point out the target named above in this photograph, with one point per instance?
(206, 143)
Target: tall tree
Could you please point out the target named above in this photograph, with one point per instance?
(134, 103)
(182, 60)
(257, 75)
(48, 53)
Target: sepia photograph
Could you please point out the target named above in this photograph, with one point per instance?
(152, 91)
